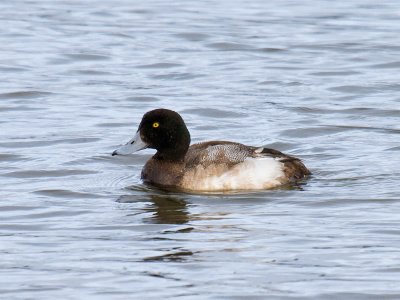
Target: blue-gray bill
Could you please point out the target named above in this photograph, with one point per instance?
(132, 146)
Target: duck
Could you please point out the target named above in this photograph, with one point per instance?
(210, 166)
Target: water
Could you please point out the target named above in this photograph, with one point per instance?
(317, 79)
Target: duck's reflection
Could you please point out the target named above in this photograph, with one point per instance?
(156, 206)
(164, 207)
(168, 209)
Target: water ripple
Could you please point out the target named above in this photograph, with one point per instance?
(47, 173)
(24, 95)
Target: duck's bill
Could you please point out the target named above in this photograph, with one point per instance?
(132, 146)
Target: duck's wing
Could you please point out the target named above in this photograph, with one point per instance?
(217, 152)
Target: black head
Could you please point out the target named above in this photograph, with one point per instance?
(165, 131)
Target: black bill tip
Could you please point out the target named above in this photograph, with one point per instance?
(114, 153)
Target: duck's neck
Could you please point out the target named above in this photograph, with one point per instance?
(170, 155)
(176, 149)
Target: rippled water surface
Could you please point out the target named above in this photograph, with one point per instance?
(316, 79)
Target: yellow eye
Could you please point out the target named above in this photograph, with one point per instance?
(156, 124)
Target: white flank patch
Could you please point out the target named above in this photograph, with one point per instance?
(253, 173)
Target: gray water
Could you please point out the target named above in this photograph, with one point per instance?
(316, 79)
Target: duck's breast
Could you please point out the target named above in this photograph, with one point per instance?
(162, 173)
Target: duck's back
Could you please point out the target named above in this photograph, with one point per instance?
(220, 165)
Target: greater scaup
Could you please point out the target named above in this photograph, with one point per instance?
(207, 166)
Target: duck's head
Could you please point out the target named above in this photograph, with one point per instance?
(163, 130)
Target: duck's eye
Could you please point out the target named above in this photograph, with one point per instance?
(156, 124)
